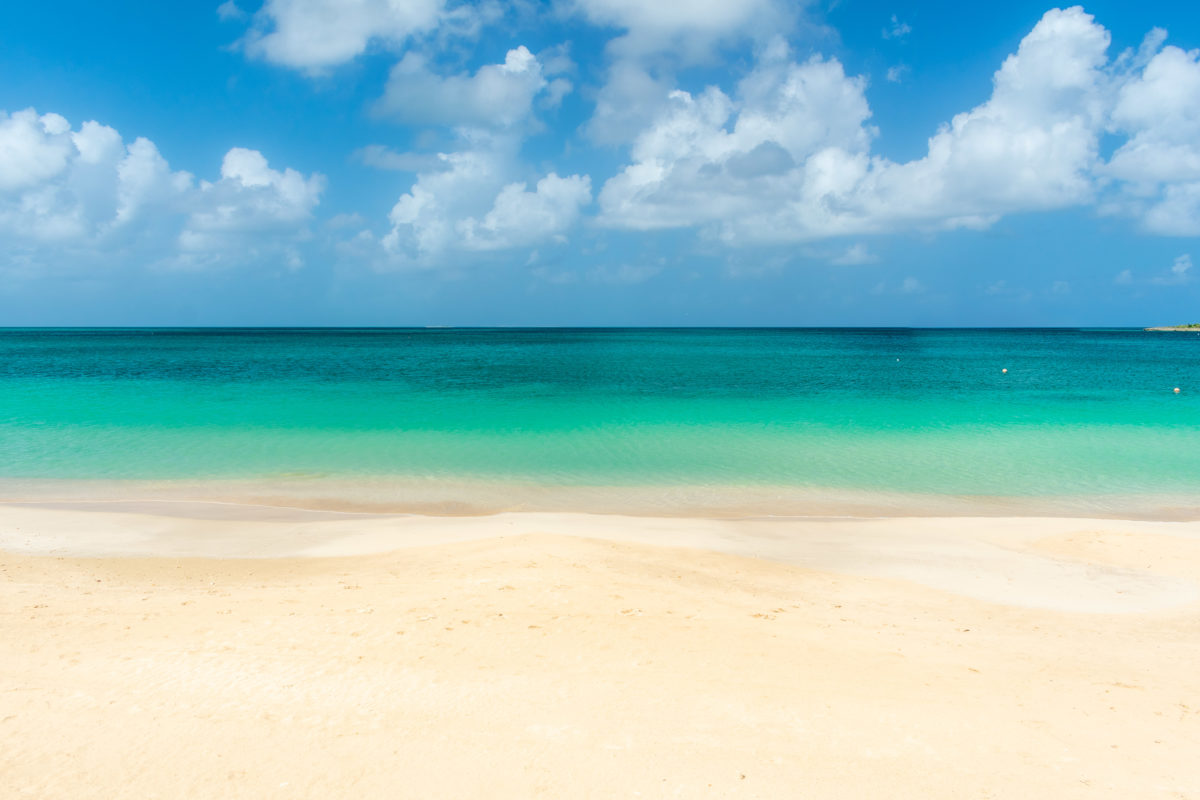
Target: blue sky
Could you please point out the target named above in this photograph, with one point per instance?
(599, 162)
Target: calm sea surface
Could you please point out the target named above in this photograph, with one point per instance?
(1079, 413)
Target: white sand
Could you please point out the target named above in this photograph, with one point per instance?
(559, 655)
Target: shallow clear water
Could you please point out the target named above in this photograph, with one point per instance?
(924, 411)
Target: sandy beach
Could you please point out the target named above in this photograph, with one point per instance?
(170, 650)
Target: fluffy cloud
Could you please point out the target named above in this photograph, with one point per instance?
(657, 37)
(86, 191)
(793, 124)
(317, 34)
(1031, 146)
(479, 197)
(32, 148)
(522, 217)
(787, 156)
(1159, 110)
(250, 206)
(59, 185)
(477, 203)
(497, 94)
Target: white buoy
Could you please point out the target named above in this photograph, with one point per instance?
(1176, 390)
(1005, 370)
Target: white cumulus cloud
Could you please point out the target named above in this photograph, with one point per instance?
(522, 217)
(497, 94)
(477, 202)
(715, 159)
(655, 38)
(86, 195)
(786, 157)
(33, 148)
(318, 34)
(1159, 110)
(249, 202)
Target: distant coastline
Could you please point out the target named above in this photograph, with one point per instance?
(1194, 327)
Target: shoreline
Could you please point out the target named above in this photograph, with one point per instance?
(398, 495)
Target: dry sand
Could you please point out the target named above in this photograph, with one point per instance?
(205, 651)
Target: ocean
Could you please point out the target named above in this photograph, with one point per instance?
(767, 421)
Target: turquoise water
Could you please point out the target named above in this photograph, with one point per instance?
(1080, 413)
